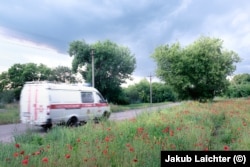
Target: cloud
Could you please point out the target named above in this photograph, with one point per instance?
(15, 51)
(140, 25)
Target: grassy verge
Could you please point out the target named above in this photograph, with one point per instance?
(119, 108)
(9, 114)
(224, 125)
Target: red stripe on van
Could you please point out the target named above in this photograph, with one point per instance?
(35, 105)
(101, 104)
(76, 106)
(29, 100)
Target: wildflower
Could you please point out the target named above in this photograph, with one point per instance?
(140, 130)
(22, 152)
(36, 153)
(135, 160)
(166, 130)
(25, 161)
(15, 154)
(206, 149)
(131, 149)
(45, 160)
(69, 147)
(105, 152)
(226, 148)
(26, 157)
(171, 133)
(67, 156)
(85, 159)
(78, 140)
(128, 145)
(17, 145)
(107, 139)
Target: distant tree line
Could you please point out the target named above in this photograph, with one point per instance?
(239, 86)
(12, 81)
(197, 71)
(140, 93)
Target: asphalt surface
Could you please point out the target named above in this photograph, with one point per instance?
(9, 131)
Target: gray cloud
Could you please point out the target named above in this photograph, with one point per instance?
(141, 25)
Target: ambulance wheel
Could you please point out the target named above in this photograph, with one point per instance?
(47, 127)
(72, 122)
(105, 115)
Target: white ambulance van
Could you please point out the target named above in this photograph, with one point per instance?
(44, 104)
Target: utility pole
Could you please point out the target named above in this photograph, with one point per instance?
(93, 68)
(150, 79)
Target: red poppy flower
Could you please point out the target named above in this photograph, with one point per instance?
(25, 162)
(171, 133)
(107, 139)
(140, 130)
(16, 154)
(135, 160)
(45, 160)
(105, 152)
(26, 157)
(131, 149)
(226, 148)
(17, 145)
(67, 156)
(166, 130)
(22, 152)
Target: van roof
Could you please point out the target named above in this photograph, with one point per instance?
(62, 86)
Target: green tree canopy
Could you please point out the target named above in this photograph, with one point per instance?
(241, 79)
(113, 65)
(197, 71)
(140, 92)
(62, 74)
(14, 79)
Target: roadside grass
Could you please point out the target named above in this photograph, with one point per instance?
(9, 114)
(223, 125)
(119, 108)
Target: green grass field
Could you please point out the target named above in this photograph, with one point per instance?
(222, 125)
(9, 114)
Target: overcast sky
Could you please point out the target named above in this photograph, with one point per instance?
(40, 31)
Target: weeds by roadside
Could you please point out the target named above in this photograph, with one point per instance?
(224, 125)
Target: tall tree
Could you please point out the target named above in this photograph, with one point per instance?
(4, 81)
(113, 65)
(63, 74)
(197, 71)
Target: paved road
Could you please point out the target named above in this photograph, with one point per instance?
(7, 132)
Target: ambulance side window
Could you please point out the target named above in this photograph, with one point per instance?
(87, 97)
(99, 98)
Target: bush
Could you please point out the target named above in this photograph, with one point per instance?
(241, 90)
(7, 96)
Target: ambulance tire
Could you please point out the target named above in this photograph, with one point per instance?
(47, 127)
(106, 116)
(73, 121)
